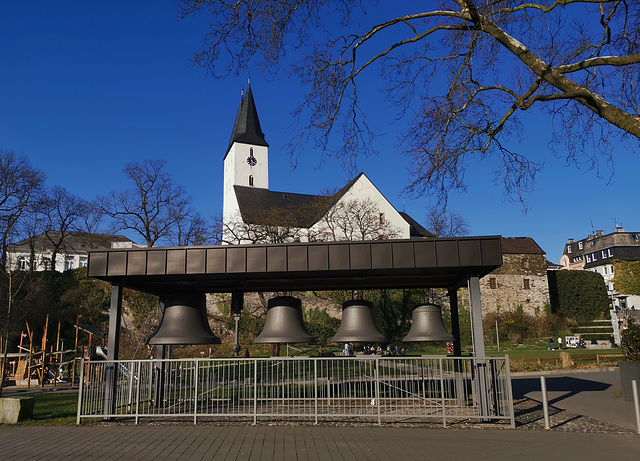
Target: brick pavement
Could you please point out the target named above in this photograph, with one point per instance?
(178, 442)
(572, 435)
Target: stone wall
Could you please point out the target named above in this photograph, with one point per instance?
(520, 281)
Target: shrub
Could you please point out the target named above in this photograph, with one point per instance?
(321, 325)
(581, 295)
(631, 341)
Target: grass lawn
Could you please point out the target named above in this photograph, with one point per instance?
(53, 408)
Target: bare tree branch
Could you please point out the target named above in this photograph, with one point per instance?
(462, 74)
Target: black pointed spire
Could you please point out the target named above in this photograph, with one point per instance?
(246, 128)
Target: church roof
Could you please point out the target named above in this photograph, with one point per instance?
(266, 207)
(262, 206)
(246, 128)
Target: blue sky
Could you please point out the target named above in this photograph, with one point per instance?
(86, 87)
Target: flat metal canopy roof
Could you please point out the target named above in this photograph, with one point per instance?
(419, 263)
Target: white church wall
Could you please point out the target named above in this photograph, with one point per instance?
(363, 189)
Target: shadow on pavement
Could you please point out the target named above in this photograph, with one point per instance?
(569, 386)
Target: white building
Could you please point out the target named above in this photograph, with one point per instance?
(597, 252)
(72, 254)
(358, 211)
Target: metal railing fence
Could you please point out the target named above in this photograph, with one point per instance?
(361, 388)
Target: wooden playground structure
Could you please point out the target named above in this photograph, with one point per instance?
(49, 363)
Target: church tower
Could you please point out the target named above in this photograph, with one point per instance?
(246, 162)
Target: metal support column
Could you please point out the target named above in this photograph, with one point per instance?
(457, 348)
(115, 314)
(455, 321)
(237, 302)
(162, 352)
(477, 332)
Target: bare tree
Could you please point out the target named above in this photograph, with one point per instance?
(323, 219)
(92, 223)
(20, 185)
(32, 224)
(463, 73)
(63, 212)
(273, 225)
(357, 219)
(153, 207)
(191, 229)
(443, 223)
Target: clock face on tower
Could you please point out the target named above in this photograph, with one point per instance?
(251, 160)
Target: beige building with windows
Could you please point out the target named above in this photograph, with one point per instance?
(72, 253)
(520, 281)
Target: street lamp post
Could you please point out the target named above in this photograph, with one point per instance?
(236, 346)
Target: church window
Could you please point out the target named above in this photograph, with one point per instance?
(381, 218)
(527, 284)
(251, 180)
(493, 284)
(525, 264)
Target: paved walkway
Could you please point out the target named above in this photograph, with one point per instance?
(306, 443)
(589, 421)
(594, 393)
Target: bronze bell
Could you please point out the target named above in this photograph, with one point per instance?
(427, 325)
(358, 324)
(284, 323)
(184, 321)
